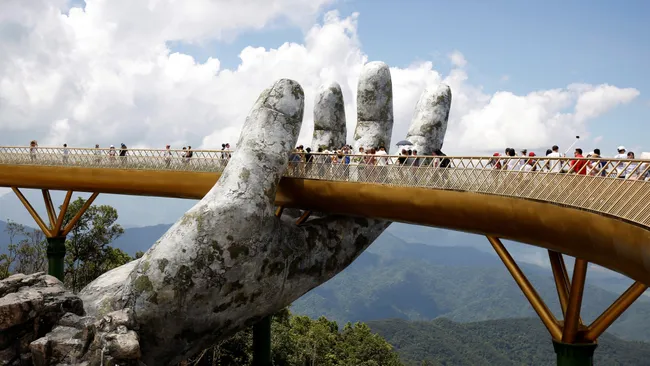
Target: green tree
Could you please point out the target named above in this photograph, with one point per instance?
(301, 341)
(88, 253)
(358, 345)
(26, 251)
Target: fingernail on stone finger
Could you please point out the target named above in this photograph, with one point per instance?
(329, 117)
(374, 106)
(429, 125)
(279, 98)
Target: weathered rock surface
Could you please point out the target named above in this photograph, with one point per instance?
(329, 118)
(374, 107)
(30, 306)
(43, 324)
(429, 124)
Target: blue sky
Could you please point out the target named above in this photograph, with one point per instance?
(518, 46)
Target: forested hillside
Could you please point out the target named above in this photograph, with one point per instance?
(502, 342)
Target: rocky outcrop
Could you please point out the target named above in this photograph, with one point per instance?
(30, 306)
(43, 324)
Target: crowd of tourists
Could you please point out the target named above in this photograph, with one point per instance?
(591, 163)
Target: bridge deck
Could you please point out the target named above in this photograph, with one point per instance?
(605, 220)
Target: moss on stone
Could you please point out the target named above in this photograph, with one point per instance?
(244, 175)
(237, 250)
(183, 280)
(162, 263)
(105, 307)
(296, 91)
(190, 218)
(215, 246)
(142, 284)
(276, 268)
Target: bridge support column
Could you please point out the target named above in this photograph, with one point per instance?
(58, 228)
(262, 342)
(56, 257)
(573, 341)
(577, 354)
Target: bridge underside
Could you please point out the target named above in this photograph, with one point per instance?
(604, 240)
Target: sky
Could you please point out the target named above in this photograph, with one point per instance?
(148, 73)
(156, 72)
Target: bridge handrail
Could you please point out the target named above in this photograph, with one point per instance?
(617, 187)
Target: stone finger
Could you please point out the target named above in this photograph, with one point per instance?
(201, 272)
(374, 107)
(269, 134)
(329, 118)
(429, 124)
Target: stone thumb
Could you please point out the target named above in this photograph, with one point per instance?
(262, 153)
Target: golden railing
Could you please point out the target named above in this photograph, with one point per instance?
(614, 187)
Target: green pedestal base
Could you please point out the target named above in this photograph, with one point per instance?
(55, 257)
(574, 354)
(262, 343)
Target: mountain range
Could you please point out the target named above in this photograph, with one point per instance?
(396, 278)
(453, 302)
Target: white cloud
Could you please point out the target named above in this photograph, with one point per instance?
(593, 102)
(457, 59)
(105, 75)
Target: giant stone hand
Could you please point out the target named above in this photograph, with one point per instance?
(229, 261)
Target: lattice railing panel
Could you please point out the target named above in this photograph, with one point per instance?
(616, 187)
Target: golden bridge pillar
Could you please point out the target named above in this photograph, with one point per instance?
(58, 228)
(573, 341)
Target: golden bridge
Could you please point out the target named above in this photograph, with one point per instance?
(599, 217)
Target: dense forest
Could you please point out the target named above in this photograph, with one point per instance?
(502, 342)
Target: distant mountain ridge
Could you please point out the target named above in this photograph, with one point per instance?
(397, 279)
(393, 279)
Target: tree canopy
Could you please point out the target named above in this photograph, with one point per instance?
(302, 341)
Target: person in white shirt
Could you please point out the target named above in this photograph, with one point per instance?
(619, 168)
(555, 166)
(381, 160)
(528, 164)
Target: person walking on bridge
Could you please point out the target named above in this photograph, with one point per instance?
(66, 152)
(580, 165)
(123, 153)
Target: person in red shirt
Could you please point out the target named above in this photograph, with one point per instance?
(580, 166)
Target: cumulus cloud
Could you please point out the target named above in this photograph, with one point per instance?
(105, 74)
(457, 59)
